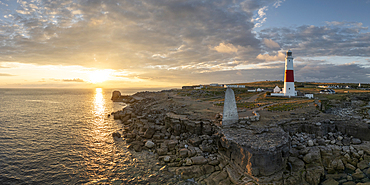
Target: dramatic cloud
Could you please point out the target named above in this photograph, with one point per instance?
(351, 72)
(171, 41)
(226, 48)
(271, 44)
(336, 39)
(130, 34)
(278, 57)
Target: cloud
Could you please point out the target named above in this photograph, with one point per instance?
(226, 48)
(5, 74)
(271, 44)
(73, 80)
(279, 57)
(338, 39)
(131, 34)
(260, 17)
(278, 3)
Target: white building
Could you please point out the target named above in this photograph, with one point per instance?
(231, 86)
(277, 89)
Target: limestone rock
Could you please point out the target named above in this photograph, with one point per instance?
(340, 165)
(313, 175)
(365, 183)
(233, 174)
(214, 162)
(115, 95)
(297, 164)
(368, 172)
(162, 151)
(183, 152)
(149, 144)
(358, 174)
(310, 143)
(188, 162)
(167, 159)
(350, 167)
(313, 156)
(363, 164)
(216, 177)
(199, 160)
(349, 183)
(149, 133)
(207, 169)
(356, 141)
(196, 141)
(330, 182)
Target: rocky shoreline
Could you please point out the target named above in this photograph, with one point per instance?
(309, 147)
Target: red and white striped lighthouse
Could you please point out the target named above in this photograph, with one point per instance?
(289, 76)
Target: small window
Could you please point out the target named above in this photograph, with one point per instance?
(289, 88)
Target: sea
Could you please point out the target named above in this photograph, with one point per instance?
(63, 136)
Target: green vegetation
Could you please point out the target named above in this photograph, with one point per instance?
(246, 105)
(291, 105)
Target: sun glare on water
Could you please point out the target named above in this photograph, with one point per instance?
(98, 76)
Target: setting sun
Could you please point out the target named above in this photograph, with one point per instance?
(98, 76)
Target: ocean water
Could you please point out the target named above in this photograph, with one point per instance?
(63, 136)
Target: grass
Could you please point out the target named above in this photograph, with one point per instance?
(291, 105)
(246, 105)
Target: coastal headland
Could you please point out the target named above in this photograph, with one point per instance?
(277, 140)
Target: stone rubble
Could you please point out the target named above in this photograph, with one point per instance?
(297, 150)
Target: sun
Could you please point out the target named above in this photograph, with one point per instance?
(98, 76)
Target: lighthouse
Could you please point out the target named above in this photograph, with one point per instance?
(289, 76)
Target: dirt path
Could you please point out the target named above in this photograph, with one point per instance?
(254, 97)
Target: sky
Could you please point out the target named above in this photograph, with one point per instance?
(171, 43)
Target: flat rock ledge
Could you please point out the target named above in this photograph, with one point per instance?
(257, 153)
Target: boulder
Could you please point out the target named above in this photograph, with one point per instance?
(368, 172)
(149, 133)
(199, 160)
(340, 165)
(188, 172)
(149, 144)
(214, 162)
(313, 175)
(310, 143)
(205, 148)
(234, 175)
(350, 167)
(358, 174)
(363, 164)
(162, 151)
(216, 178)
(167, 159)
(330, 182)
(116, 95)
(356, 141)
(188, 162)
(183, 152)
(207, 169)
(196, 141)
(313, 156)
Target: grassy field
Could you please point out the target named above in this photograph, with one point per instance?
(290, 105)
(217, 94)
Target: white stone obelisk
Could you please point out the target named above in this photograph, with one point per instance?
(230, 114)
(289, 76)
